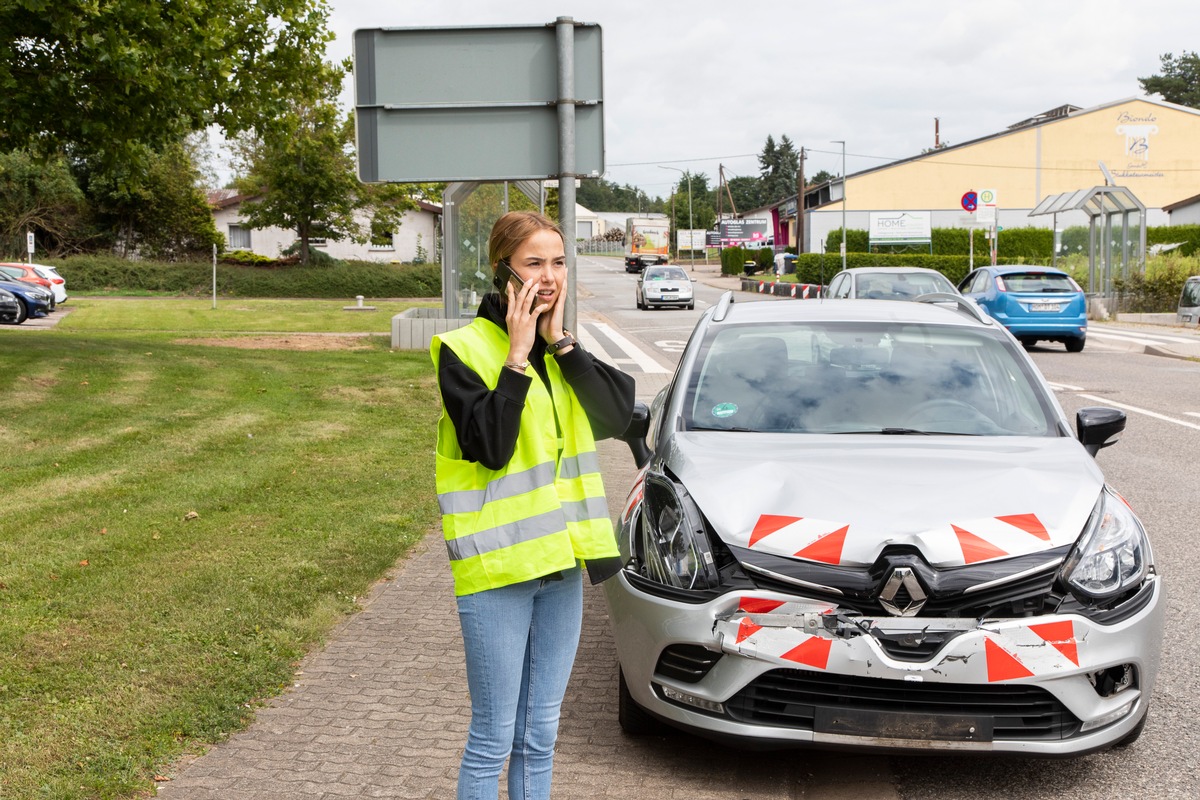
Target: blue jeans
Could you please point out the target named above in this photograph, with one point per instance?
(520, 642)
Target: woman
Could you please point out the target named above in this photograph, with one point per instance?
(522, 501)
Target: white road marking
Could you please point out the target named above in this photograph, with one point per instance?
(1064, 387)
(1106, 401)
(635, 355)
(1192, 413)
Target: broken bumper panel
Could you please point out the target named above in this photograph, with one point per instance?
(775, 670)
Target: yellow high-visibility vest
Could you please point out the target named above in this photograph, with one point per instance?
(542, 511)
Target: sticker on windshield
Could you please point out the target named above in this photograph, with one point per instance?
(723, 410)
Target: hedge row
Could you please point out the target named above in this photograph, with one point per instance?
(1023, 243)
(344, 279)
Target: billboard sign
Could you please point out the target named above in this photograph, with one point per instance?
(690, 239)
(472, 103)
(743, 232)
(900, 227)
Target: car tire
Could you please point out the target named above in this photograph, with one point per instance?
(1075, 345)
(22, 311)
(1028, 342)
(691, 305)
(635, 720)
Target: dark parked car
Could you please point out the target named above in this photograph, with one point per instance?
(10, 309)
(869, 525)
(34, 301)
(26, 273)
(1034, 303)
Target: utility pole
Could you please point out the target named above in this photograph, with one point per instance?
(800, 205)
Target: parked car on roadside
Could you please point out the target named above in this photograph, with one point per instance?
(869, 525)
(664, 286)
(10, 309)
(887, 283)
(34, 301)
(57, 281)
(27, 274)
(1034, 303)
(1188, 312)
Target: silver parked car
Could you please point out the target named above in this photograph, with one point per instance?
(664, 285)
(863, 524)
(887, 283)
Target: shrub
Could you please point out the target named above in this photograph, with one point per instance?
(338, 279)
(733, 261)
(1158, 290)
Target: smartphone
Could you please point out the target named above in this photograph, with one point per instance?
(505, 273)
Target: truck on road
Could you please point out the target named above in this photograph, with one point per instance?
(646, 242)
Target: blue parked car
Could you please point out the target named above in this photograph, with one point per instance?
(33, 301)
(1034, 303)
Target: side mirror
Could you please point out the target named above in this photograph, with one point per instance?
(1098, 427)
(635, 434)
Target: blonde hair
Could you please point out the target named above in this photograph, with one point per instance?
(513, 229)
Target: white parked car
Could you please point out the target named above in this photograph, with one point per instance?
(58, 284)
(664, 285)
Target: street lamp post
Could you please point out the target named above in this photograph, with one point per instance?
(691, 226)
(843, 144)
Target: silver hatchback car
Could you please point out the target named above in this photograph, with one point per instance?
(863, 524)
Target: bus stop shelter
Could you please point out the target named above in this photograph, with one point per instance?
(1116, 233)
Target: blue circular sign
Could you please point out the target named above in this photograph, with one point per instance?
(970, 201)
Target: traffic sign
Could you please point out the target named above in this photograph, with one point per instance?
(970, 201)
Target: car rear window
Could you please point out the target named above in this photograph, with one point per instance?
(885, 285)
(1038, 282)
(666, 275)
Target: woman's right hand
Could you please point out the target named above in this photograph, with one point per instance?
(522, 320)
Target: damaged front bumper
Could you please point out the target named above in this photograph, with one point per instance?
(769, 669)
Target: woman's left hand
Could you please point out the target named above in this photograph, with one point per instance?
(550, 324)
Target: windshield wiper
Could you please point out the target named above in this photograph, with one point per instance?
(734, 429)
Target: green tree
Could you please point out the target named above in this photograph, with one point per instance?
(109, 76)
(823, 176)
(597, 194)
(1179, 81)
(301, 170)
(152, 204)
(41, 196)
(747, 192)
(778, 165)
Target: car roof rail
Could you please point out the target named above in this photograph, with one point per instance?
(723, 306)
(963, 304)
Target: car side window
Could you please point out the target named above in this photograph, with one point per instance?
(841, 287)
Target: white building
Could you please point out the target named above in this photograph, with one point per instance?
(416, 239)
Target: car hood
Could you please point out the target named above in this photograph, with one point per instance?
(842, 499)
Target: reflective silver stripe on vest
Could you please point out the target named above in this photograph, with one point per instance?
(525, 530)
(586, 509)
(574, 466)
(513, 484)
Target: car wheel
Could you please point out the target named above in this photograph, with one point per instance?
(634, 719)
(22, 311)
(1028, 342)
(691, 305)
(1075, 345)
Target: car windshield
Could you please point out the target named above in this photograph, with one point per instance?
(669, 274)
(901, 285)
(889, 378)
(1038, 283)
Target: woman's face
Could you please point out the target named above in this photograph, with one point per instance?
(540, 259)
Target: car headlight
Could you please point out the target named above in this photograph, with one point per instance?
(1113, 555)
(675, 547)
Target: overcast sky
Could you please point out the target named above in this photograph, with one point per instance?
(702, 83)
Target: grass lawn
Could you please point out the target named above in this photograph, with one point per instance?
(246, 315)
(179, 523)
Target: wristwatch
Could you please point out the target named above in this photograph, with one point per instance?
(566, 341)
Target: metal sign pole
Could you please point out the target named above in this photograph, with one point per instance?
(564, 29)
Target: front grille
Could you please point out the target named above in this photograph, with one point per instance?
(790, 698)
(686, 662)
(948, 590)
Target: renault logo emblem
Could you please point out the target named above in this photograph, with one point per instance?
(902, 595)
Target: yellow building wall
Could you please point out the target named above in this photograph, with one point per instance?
(1151, 148)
